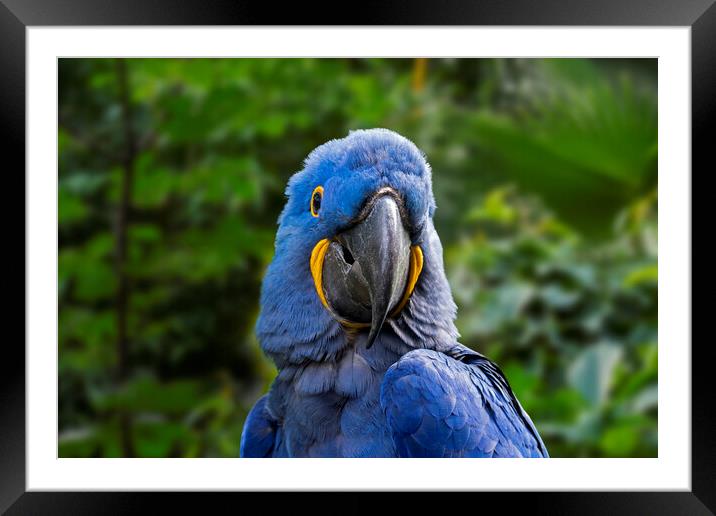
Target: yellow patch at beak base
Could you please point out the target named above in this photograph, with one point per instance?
(317, 256)
(416, 267)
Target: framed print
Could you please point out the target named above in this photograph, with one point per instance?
(434, 235)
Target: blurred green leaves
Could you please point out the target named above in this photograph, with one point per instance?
(545, 180)
(572, 321)
(592, 140)
(145, 394)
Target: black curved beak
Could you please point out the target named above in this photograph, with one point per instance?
(366, 268)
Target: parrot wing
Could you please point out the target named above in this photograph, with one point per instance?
(259, 435)
(455, 404)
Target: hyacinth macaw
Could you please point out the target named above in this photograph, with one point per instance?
(357, 314)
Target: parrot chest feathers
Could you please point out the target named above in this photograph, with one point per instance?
(333, 408)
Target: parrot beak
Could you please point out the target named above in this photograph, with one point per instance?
(366, 268)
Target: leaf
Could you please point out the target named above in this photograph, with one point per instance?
(494, 208)
(646, 400)
(93, 278)
(624, 438)
(89, 330)
(70, 207)
(592, 371)
(100, 246)
(83, 183)
(558, 298)
(145, 233)
(151, 188)
(645, 274)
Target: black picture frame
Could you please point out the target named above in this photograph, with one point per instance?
(17, 15)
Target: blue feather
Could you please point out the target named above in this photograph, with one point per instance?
(258, 437)
(457, 395)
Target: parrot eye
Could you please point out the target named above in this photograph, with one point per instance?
(316, 199)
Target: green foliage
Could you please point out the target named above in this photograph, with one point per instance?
(573, 323)
(555, 278)
(573, 141)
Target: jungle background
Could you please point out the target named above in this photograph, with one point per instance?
(171, 178)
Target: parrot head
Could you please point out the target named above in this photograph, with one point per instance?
(353, 241)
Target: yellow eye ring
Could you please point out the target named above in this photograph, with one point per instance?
(316, 200)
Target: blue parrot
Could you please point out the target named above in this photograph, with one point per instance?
(357, 314)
